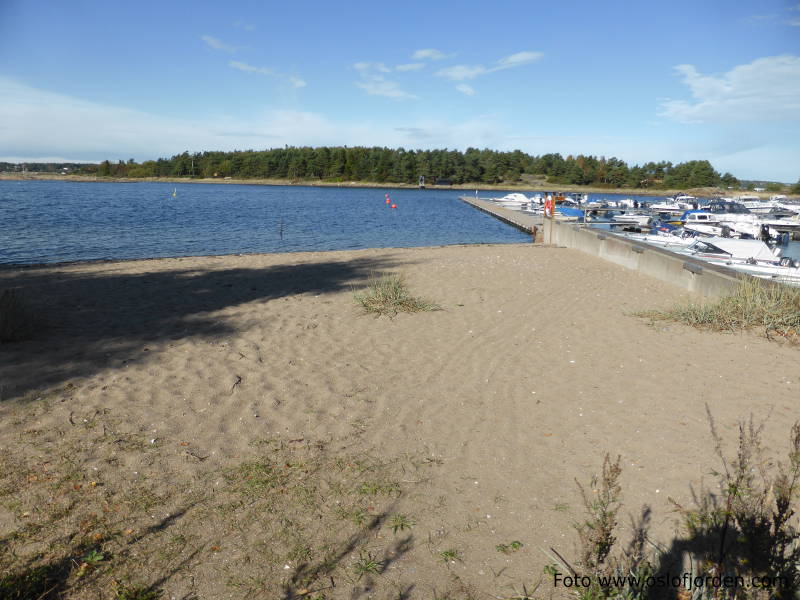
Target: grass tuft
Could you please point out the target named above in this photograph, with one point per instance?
(754, 304)
(389, 295)
(17, 320)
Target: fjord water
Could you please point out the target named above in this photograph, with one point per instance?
(55, 221)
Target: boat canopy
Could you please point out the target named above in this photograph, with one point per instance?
(514, 197)
(737, 248)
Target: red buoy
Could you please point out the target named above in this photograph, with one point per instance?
(394, 205)
(388, 201)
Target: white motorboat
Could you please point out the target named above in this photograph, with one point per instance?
(640, 219)
(749, 256)
(513, 200)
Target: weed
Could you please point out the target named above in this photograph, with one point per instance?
(773, 306)
(137, 593)
(509, 548)
(367, 564)
(94, 557)
(400, 523)
(255, 478)
(559, 507)
(596, 533)
(450, 555)
(388, 295)
(374, 488)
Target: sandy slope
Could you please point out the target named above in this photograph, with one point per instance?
(533, 370)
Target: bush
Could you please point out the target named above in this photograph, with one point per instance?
(742, 530)
(388, 295)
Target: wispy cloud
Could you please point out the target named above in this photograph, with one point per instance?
(44, 125)
(218, 44)
(767, 89)
(365, 67)
(410, 67)
(293, 80)
(250, 68)
(378, 86)
(466, 89)
(375, 84)
(462, 72)
(244, 25)
(429, 54)
(517, 60)
(795, 22)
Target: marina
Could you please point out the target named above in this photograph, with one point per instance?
(722, 233)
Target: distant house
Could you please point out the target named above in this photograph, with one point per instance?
(758, 189)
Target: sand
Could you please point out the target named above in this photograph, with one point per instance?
(163, 375)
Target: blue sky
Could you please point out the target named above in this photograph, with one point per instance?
(700, 79)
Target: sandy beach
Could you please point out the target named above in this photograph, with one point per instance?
(237, 427)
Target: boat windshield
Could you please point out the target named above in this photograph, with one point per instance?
(728, 207)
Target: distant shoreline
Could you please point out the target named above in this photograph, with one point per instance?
(533, 186)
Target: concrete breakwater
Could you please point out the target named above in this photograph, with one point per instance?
(689, 273)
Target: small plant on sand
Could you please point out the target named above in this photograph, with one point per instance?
(734, 539)
(366, 564)
(509, 548)
(400, 523)
(137, 593)
(389, 295)
(753, 304)
(450, 555)
(17, 319)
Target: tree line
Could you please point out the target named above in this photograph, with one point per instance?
(387, 165)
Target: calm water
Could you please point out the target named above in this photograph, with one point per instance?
(52, 221)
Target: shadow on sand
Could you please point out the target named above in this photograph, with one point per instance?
(93, 320)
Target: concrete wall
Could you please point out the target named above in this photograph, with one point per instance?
(694, 275)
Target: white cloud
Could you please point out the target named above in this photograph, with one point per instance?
(410, 67)
(795, 22)
(366, 67)
(218, 44)
(466, 89)
(517, 60)
(375, 84)
(378, 86)
(293, 80)
(462, 72)
(244, 25)
(40, 124)
(767, 89)
(250, 68)
(429, 54)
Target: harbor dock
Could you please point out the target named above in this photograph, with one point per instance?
(522, 221)
(687, 272)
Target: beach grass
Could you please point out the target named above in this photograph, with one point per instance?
(388, 295)
(754, 304)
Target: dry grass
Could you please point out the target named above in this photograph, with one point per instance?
(754, 304)
(389, 295)
(270, 526)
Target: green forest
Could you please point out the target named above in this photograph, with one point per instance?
(401, 166)
(386, 165)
